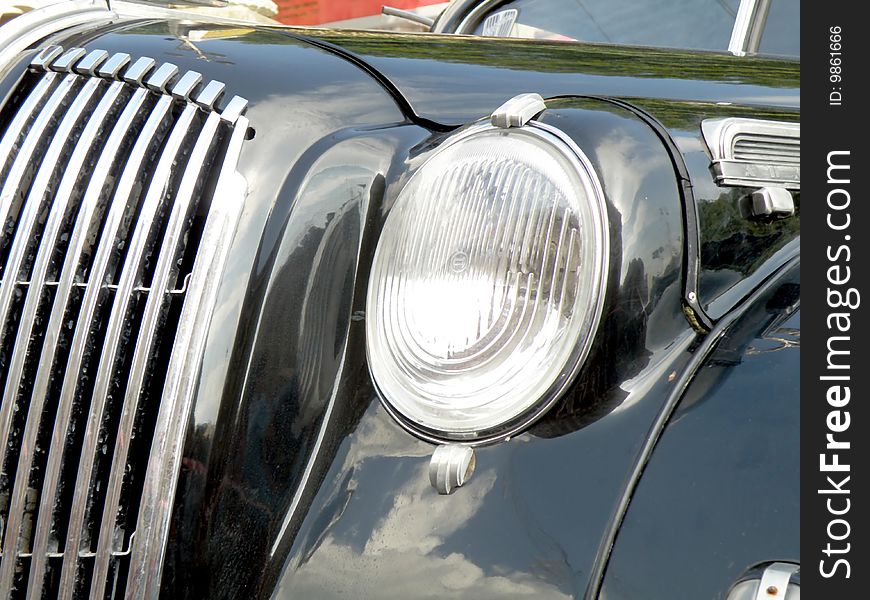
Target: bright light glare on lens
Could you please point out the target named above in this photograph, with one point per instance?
(486, 286)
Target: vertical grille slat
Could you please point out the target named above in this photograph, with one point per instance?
(91, 203)
(47, 131)
(104, 260)
(107, 169)
(131, 276)
(38, 194)
(12, 195)
(87, 147)
(9, 142)
(152, 523)
(65, 192)
(163, 282)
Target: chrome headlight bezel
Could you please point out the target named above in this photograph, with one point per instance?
(596, 226)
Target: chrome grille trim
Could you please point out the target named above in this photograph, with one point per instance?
(12, 174)
(67, 281)
(152, 527)
(112, 235)
(13, 193)
(771, 149)
(94, 196)
(44, 57)
(39, 193)
(10, 138)
(66, 61)
(162, 284)
(83, 243)
(754, 152)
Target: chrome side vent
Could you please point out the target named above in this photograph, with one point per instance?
(754, 153)
(779, 150)
(118, 193)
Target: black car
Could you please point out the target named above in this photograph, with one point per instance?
(302, 313)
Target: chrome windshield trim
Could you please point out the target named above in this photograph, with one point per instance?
(454, 11)
(476, 15)
(748, 27)
(161, 479)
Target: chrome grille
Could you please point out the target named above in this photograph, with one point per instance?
(754, 152)
(108, 173)
(768, 149)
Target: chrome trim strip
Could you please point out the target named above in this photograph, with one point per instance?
(475, 15)
(136, 72)
(122, 202)
(65, 192)
(47, 244)
(210, 94)
(517, 111)
(90, 63)
(111, 69)
(186, 85)
(11, 190)
(28, 29)
(131, 277)
(454, 11)
(161, 479)
(10, 138)
(407, 15)
(720, 136)
(752, 174)
(234, 109)
(68, 60)
(160, 78)
(774, 581)
(748, 27)
(44, 57)
(90, 203)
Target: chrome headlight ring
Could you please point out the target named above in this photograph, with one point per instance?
(488, 283)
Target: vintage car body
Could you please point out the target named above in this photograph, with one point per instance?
(264, 463)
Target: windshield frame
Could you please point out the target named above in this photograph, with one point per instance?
(463, 16)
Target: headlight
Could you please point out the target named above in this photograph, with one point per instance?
(487, 283)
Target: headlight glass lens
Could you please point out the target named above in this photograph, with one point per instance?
(487, 283)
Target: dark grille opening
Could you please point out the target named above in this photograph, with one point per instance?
(110, 188)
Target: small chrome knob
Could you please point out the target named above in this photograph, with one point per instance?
(450, 467)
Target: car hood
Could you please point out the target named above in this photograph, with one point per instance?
(454, 79)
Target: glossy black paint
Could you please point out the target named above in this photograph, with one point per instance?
(720, 493)
(327, 140)
(526, 521)
(736, 254)
(453, 79)
(295, 481)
